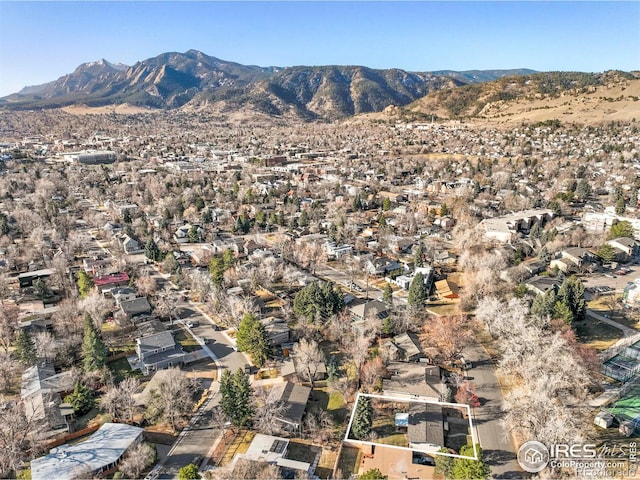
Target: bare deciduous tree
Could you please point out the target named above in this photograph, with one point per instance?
(372, 372)
(269, 409)
(174, 396)
(16, 437)
(45, 345)
(137, 460)
(9, 368)
(8, 325)
(448, 334)
(309, 358)
(146, 285)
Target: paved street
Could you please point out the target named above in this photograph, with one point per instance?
(495, 441)
(194, 441)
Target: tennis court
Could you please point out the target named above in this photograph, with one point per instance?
(628, 407)
(624, 365)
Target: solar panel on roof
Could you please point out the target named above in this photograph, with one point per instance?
(278, 446)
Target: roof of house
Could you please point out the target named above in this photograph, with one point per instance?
(543, 284)
(407, 344)
(135, 306)
(43, 376)
(112, 278)
(426, 423)
(372, 307)
(413, 379)
(102, 448)
(45, 272)
(624, 241)
(444, 289)
(295, 398)
(156, 341)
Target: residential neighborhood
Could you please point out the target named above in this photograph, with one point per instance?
(313, 301)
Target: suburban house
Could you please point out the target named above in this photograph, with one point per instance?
(181, 235)
(631, 293)
(573, 260)
(626, 248)
(540, 285)
(404, 347)
(425, 430)
(99, 455)
(136, 307)
(122, 294)
(294, 397)
(27, 279)
(158, 351)
(368, 309)
(365, 313)
(382, 266)
(277, 330)
(128, 244)
(337, 251)
(41, 392)
(414, 380)
(106, 282)
(273, 450)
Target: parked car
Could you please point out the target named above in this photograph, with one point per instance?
(192, 324)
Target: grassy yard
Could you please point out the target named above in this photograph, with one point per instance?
(325, 465)
(602, 306)
(302, 452)
(323, 398)
(387, 432)
(121, 370)
(349, 461)
(597, 334)
(188, 343)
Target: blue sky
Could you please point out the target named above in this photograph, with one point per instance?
(41, 41)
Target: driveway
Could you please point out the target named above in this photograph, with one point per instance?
(495, 441)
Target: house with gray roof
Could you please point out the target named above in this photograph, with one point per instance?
(41, 391)
(136, 307)
(99, 455)
(295, 398)
(425, 430)
(158, 351)
(409, 379)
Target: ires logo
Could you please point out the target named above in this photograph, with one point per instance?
(534, 456)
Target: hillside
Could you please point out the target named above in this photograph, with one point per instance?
(566, 96)
(194, 80)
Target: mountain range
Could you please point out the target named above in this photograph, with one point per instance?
(194, 80)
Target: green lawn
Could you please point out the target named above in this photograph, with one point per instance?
(349, 461)
(188, 343)
(302, 452)
(387, 432)
(323, 398)
(121, 370)
(597, 334)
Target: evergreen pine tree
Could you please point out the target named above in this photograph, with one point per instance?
(467, 468)
(25, 348)
(362, 418)
(93, 348)
(252, 338)
(151, 250)
(417, 292)
(387, 294)
(418, 256)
